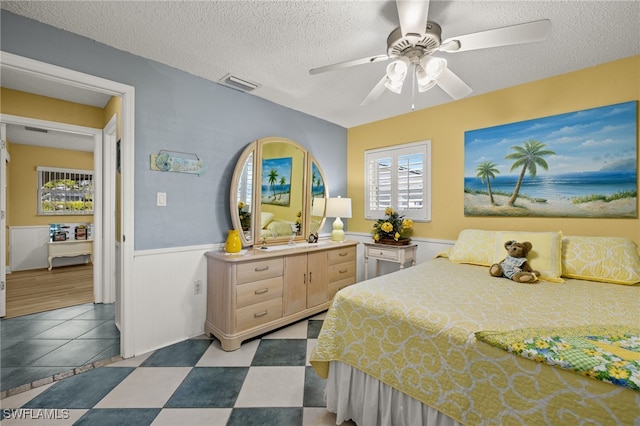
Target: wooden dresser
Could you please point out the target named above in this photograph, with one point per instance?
(259, 291)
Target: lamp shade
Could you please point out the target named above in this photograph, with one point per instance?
(338, 207)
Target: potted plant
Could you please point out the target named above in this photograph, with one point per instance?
(393, 229)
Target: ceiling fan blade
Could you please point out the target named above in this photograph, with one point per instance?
(376, 92)
(453, 85)
(413, 16)
(505, 36)
(352, 63)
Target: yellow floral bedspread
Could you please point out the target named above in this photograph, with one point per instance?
(415, 331)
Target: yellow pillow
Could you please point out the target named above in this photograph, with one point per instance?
(545, 257)
(474, 246)
(608, 259)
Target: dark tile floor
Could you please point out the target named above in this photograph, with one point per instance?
(268, 381)
(46, 344)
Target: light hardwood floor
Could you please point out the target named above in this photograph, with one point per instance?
(42, 290)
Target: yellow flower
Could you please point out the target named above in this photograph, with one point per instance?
(299, 214)
(376, 237)
(407, 223)
(541, 344)
(518, 347)
(388, 211)
(396, 236)
(241, 205)
(618, 373)
(386, 227)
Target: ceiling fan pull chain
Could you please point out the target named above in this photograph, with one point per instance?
(413, 87)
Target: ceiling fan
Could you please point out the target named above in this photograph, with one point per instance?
(412, 44)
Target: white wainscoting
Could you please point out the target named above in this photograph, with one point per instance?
(28, 247)
(166, 309)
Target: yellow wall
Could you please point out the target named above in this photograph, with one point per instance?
(22, 203)
(445, 125)
(43, 108)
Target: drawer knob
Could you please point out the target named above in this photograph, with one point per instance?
(342, 271)
(263, 268)
(261, 291)
(260, 314)
(344, 253)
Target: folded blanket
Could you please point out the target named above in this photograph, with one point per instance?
(607, 353)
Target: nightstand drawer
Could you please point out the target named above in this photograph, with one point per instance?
(341, 271)
(258, 291)
(346, 254)
(260, 313)
(255, 271)
(382, 253)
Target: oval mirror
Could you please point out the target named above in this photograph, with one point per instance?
(275, 186)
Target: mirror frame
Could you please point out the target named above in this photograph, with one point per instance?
(254, 151)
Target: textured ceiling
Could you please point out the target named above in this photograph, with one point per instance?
(275, 43)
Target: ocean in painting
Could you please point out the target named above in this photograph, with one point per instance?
(561, 186)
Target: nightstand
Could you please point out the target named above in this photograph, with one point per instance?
(388, 253)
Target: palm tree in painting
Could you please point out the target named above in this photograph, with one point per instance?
(487, 170)
(273, 178)
(283, 181)
(529, 157)
(314, 178)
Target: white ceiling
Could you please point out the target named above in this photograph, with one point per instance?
(275, 43)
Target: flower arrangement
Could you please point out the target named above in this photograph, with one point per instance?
(393, 227)
(245, 217)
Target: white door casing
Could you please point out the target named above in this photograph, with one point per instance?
(3, 218)
(127, 93)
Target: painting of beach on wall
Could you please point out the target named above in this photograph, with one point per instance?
(578, 164)
(276, 181)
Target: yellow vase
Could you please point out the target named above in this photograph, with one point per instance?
(233, 245)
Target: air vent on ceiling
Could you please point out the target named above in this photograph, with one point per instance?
(239, 83)
(36, 129)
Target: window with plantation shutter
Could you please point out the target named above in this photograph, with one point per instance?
(65, 191)
(399, 177)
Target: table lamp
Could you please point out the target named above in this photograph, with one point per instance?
(338, 207)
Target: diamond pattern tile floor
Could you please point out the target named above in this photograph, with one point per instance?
(268, 381)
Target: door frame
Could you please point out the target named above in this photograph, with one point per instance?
(73, 78)
(100, 202)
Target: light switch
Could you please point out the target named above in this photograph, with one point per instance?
(161, 199)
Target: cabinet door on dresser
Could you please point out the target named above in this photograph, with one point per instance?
(305, 281)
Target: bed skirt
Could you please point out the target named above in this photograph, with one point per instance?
(354, 395)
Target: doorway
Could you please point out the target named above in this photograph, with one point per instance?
(123, 257)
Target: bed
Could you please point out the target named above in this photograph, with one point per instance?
(430, 344)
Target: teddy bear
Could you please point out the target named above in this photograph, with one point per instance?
(515, 265)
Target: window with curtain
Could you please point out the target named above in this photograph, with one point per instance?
(399, 177)
(65, 191)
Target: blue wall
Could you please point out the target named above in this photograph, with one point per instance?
(177, 111)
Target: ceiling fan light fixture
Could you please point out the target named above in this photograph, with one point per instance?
(396, 73)
(424, 81)
(433, 67)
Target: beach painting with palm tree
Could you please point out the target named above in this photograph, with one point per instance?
(276, 181)
(578, 164)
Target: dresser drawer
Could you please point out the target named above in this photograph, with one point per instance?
(260, 313)
(341, 271)
(258, 291)
(383, 253)
(336, 286)
(259, 270)
(346, 254)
